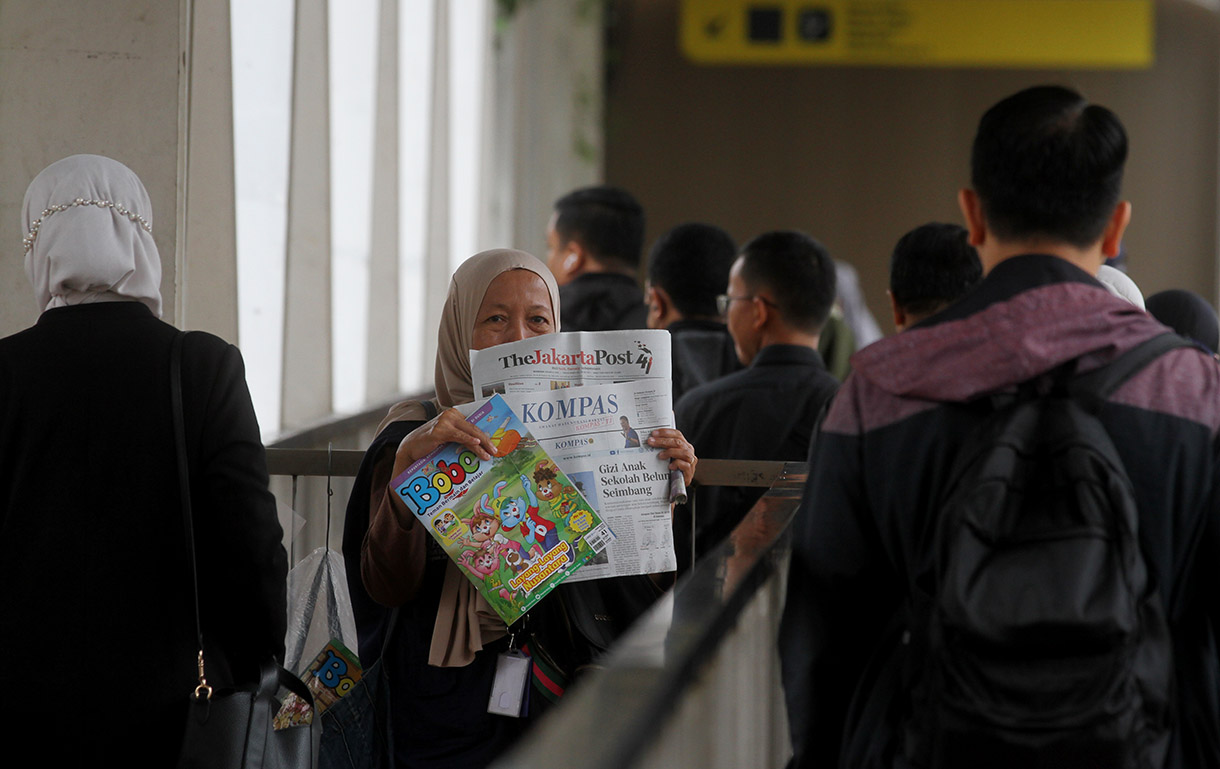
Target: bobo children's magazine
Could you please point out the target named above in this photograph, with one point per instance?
(487, 517)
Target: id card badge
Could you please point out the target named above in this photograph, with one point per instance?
(509, 688)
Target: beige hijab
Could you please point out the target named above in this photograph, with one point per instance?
(464, 621)
(456, 333)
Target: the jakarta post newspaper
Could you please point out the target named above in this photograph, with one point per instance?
(591, 399)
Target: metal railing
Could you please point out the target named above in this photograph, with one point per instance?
(344, 463)
(311, 473)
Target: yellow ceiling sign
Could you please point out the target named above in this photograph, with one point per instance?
(921, 33)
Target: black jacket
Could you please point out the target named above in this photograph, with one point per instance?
(95, 589)
(766, 412)
(702, 352)
(879, 463)
(602, 301)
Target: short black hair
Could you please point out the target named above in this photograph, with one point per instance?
(1047, 163)
(1186, 313)
(932, 266)
(606, 220)
(691, 262)
(799, 273)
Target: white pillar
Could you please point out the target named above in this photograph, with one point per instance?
(497, 182)
(207, 250)
(436, 238)
(543, 121)
(382, 363)
(307, 384)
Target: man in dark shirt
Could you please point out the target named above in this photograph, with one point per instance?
(780, 291)
(593, 245)
(932, 267)
(688, 268)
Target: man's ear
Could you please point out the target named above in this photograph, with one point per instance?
(1112, 238)
(972, 211)
(575, 258)
(762, 311)
(900, 316)
(571, 264)
(658, 303)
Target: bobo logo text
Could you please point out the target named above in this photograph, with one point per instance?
(423, 492)
(333, 674)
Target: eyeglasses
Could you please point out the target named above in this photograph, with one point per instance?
(724, 300)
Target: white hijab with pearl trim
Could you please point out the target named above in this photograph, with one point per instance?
(88, 225)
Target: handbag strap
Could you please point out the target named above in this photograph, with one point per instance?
(430, 410)
(392, 622)
(203, 690)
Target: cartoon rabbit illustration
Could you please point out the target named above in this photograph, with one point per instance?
(484, 563)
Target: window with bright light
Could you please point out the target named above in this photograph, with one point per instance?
(262, 36)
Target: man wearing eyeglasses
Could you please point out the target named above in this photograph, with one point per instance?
(780, 291)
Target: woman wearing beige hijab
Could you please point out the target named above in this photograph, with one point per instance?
(442, 655)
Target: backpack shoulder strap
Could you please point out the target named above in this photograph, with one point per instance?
(1100, 383)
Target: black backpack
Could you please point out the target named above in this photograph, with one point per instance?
(1037, 637)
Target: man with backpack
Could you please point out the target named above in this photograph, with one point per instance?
(1009, 548)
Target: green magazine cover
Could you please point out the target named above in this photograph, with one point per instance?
(514, 547)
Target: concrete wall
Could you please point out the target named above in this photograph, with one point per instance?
(117, 78)
(858, 155)
(97, 77)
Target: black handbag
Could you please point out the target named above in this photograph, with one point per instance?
(232, 729)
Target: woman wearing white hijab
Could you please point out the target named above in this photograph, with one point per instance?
(88, 225)
(95, 590)
(442, 656)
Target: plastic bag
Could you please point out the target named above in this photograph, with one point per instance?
(319, 608)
